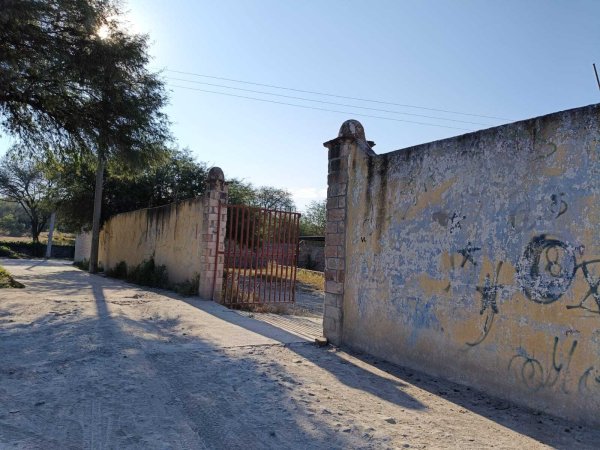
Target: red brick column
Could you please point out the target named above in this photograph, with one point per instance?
(214, 220)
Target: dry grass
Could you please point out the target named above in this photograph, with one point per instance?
(272, 308)
(58, 238)
(311, 278)
(7, 281)
(272, 274)
(279, 273)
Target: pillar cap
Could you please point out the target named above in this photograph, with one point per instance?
(352, 128)
(216, 177)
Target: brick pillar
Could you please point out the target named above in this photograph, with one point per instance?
(351, 136)
(213, 236)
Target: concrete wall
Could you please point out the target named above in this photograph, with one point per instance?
(475, 258)
(83, 245)
(172, 234)
(187, 237)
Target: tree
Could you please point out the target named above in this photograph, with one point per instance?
(314, 220)
(22, 180)
(176, 175)
(179, 176)
(274, 198)
(269, 197)
(13, 220)
(42, 80)
(240, 192)
(126, 122)
(82, 91)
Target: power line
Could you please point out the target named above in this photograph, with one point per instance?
(319, 109)
(326, 102)
(336, 96)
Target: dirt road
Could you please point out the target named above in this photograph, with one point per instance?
(89, 362)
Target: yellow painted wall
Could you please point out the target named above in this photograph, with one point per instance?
(171, 233)
(478, 258)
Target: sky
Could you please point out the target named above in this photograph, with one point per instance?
(507, 60)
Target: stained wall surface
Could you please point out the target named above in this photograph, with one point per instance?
(172, 234)
(477, 258)
(83, 245)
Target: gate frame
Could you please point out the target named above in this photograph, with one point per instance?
(281, 223)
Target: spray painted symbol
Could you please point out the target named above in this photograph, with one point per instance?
(467, 254)
(593, 280)
(489, 295)
(558, 206)
(546, 269)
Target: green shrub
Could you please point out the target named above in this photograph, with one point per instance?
(36, 250)
(188, 288)
(7, 281)
(83, 265)
(8, 252)
(119, 271)
(149, 274)
(26, 249)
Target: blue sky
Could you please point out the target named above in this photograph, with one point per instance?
(513, 59)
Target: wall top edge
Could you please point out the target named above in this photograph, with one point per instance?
(157, 209)
(534, 123)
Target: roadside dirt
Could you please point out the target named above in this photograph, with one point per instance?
(89, 362)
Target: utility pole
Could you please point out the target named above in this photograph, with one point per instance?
(50, 233)
(596, 72)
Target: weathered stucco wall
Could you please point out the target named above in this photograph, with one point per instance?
(83, 245)
(186, 237)
(172, 234)
(477, 258)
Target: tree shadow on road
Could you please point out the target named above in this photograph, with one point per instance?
(364, 372)
(94, 377)
(346, 371)
(102, 377)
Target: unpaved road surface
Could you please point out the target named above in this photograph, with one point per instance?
(88, 362)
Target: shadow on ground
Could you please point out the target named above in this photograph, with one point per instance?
(91, 376)
(83, 369)
(547, 429)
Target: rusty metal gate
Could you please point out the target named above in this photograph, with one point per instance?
(260, 256)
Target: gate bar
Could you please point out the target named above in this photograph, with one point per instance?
(255, 213)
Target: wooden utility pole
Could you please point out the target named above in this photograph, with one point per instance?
(596, 72)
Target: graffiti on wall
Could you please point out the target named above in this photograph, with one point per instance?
(593, 280)
(489, 304)
(589, 380)
(545, 273)
(467, 254)
(536, 375)
(559, 205)
(547, 268)
(524, 217)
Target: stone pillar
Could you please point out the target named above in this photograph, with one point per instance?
(350, 137)
(214, 220)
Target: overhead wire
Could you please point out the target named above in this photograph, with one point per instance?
(335, 95)
(328, 103)
(318, 109)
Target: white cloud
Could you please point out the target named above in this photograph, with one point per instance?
(303, 196)
(309, 193)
